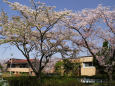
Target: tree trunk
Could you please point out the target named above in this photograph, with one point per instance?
(39, 74)
(110, 78)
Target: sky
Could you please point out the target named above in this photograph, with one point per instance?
(6, 51)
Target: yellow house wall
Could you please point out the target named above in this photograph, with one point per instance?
(19, 69)
(88, 71)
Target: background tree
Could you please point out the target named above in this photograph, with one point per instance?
(59, 67)
(71, 68)
(67, 67)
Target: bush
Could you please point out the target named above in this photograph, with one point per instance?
(45, 81)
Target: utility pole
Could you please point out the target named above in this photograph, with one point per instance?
(11, 64)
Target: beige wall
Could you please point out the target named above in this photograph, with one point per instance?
(19, 69)
(88, 71)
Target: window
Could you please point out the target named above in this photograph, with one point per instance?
(23, 65)
(87, 64)
(12, 65)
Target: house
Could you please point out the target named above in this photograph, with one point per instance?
(17, 66)
(87, 68)
(86, 65)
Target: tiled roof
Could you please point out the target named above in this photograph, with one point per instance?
(16, 61)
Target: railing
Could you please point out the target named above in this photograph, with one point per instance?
(87, 80)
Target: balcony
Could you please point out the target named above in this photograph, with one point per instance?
(19, 69)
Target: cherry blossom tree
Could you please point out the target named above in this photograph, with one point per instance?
(92, 27)
(34, 33)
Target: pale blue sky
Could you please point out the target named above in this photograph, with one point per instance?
(75, 5)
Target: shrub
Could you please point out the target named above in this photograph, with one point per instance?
(45, 81)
